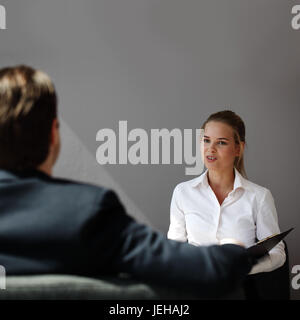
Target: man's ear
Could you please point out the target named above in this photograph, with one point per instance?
(54, 131)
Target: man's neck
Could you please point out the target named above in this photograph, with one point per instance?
(45, 169)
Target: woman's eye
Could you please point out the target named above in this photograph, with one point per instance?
(205, 140)
(222, 143)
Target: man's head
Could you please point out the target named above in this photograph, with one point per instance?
(29, 136)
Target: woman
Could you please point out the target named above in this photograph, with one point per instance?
(221, 203)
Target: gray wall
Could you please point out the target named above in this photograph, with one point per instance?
(167, 64)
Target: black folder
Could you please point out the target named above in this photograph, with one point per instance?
(263, 246)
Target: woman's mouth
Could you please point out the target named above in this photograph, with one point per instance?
(211, 158)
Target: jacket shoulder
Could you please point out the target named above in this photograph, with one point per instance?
(79, 195)
(70, 185)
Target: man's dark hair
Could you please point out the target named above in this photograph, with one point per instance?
(28, 106)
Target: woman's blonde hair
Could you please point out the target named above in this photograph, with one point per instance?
(237, 124)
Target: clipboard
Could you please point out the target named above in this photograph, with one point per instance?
(262, 247)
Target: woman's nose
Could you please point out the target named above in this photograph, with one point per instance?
(212, 148)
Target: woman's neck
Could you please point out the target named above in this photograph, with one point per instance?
(221, 181)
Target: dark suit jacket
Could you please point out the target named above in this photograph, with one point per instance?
(50, 225)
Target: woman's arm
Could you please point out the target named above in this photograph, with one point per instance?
(177, 229)
(266, 225)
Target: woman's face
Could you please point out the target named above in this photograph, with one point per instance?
(218, 146)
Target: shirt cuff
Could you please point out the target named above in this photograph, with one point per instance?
(264, 264)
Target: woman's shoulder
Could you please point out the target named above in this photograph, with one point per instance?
(189, 183)
(259, 190)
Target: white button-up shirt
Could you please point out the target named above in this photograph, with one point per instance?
(247, 213)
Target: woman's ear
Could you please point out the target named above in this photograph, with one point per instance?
(240, 149)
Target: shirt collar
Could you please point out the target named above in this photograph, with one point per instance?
(202, 179)
(239, 180)
(14, 175)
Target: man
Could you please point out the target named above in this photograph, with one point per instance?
(50, 225)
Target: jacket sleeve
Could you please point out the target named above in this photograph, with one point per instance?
(149, 256)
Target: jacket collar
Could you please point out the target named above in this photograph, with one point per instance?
(15, 175)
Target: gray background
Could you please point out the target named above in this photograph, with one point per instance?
(167, 64)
